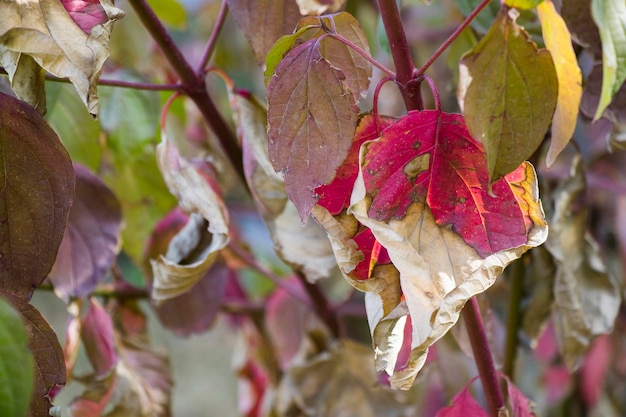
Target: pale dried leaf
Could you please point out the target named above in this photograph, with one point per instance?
(317, 7)
(44, 32)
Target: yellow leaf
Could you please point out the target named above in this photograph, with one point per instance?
(559, 43)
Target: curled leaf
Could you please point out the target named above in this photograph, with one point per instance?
(66, 41)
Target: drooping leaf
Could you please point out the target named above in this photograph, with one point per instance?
(610, 17)
(559, 43)
(264, 21)
(194, 311)
(463, 404)
(304, 247)
(318, 7)
(37, 186)
(47, 352)
(91, 240)
(97, 335)
(77, 130)
(341, 381)
(508, 91)
(194, 250)
(16, 363)
(423, 191)
(64, 44)
(523, 4)
(311, 122)
(586, 296)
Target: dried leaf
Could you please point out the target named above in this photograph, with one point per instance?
(37, 181)
(193, 251)
(586, 296)
(304, 247)
(559, 43)
(511, 93)
(91, 240)
(63, 42)
(16, 363)
(264, 21)
(610, 17)
(339, 382)
(311, 122)
(47, 352)
(423, 191)
(318, 7)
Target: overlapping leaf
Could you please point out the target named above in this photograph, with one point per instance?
(586, 296)
(508, 92)
(91, 240)
(610, 17)
(37, 186)
(423, 190)
(304, 247)
(66, 39)
(16, 363)
(264, 21)
(318, 7)
(193, 251)
(559, 43)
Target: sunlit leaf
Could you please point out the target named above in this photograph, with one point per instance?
(423, 191)
(91, 240)
(311, 122)
(16, 363)
(47, 353)
(610, 17)
(508, 92)
(523, 4)
(37, 186)
(264, 21)
(318, 7)
(586, 296)
(559, 43)
(70, 45)
(304, 247)
(195, 248)
(341, 381)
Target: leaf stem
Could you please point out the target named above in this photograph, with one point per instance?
(452, 37)
(400, 53)
(361, 52)
(514, 317)
(210, 45)
(322, 306)
(193, 84)
(482, 357)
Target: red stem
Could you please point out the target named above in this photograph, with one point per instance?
(210, 45)
(452, 37)
(401, 54)
(482, 357)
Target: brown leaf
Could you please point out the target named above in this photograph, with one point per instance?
(36, 191)
(44, 31)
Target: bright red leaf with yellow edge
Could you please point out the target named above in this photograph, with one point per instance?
(430, 156)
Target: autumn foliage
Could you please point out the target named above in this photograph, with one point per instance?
(444, 208)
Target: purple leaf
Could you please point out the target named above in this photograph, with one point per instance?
(91, 240)
(98, 338)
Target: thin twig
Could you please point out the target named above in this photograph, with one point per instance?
(210, 45)
(482, 357)
(361, 52)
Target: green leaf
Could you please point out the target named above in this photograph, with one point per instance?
(610, 17)
(36, 191)
(280, 49)
(483, 21)
(170, 12)
(511, 94)
(523, 4)
(130, 118)
(16, 363)
(78, 131)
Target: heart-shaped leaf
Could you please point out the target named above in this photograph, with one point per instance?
(36, 190)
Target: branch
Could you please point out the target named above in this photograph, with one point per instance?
(482, 357)
(210, 45)
(321, 305)
(193, 84)
(401, 54)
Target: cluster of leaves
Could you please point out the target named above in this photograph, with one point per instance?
(420, 212)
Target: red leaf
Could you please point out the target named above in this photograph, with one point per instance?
(520, 405)
(463, 405)
(98, 338)
(595, 368)
(335, 196)
(91, 240)
(86, 13)
(431, 156)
